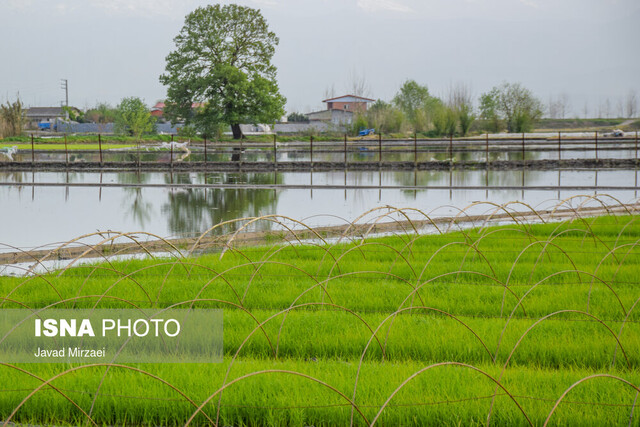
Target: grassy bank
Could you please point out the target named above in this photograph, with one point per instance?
(537, 308)
(62, 147)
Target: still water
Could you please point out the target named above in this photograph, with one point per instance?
(326, 153)
(73, 204)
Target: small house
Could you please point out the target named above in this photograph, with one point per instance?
(348, 103)
(37, 115)
(336, 117)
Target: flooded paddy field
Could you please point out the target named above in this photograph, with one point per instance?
(45, 207)
(348, 151)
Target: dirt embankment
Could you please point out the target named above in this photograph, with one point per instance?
(319, 166)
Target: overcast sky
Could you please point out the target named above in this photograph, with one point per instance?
(110, 49)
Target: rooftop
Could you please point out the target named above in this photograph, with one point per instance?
(358, 98)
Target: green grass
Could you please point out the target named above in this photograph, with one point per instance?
(588, 265)
(85, 138)
(70, 146)
(93, 138)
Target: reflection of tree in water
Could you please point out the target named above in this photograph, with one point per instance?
(457, 177)
(194, 210)
(137, 207)
(36, 177)
(16, 177)
(41, 176)
(474, 177)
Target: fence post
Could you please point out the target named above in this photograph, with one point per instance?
(451, 149)
(596, 146)
(311, 150)
(486, 145)
(275, 152)
(100, 147)
(636, 146)
(559, 145)
(171, 145)
(345, 150)
(32, 149)
(66, 150)
(205, 150)
(415, 149)
(523, 156)
(380, 149)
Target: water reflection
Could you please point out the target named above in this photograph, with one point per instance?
(359, 153)
(193, 210)
(132, 200)
(81, 203)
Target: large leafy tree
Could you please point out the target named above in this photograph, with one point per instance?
(514, 104)
(411, 97)
(221, 71)
(417, 104)
(133, 118)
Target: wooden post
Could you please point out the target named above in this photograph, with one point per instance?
(636, 146)
(345, 150)
(240, 153)
(559, 145)
(450, 149)
(311, 149)
(171, 145)
(379, 149)
(100, 147)
(33, 160)
(523, 156)
(275, 151)
(486, 145)
(415, 149)
(596, 146)
(66, 150)
(205, 149)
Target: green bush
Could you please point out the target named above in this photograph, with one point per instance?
(359, 122)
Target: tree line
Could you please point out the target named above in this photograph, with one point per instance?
(131, 117)
(508, 106)
(221, 75)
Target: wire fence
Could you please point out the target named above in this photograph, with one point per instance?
(614, 244)
(348, 154)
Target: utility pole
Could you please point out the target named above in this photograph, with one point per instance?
(65, 85)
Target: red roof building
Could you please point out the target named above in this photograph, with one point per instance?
(349, 103)
(158, 109)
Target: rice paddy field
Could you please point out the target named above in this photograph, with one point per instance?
(513, 324)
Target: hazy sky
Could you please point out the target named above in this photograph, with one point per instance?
(588, 49)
